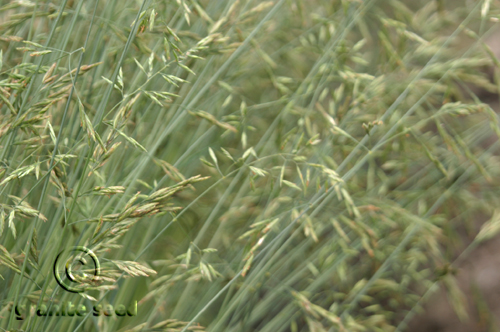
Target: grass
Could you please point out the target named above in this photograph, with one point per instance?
(244, 165)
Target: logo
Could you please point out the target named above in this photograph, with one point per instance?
(68, 309)
(81, 269)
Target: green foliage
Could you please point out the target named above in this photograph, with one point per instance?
(243, 165)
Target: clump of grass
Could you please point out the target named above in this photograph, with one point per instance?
(243, 165)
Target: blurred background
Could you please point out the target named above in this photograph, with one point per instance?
(478, 274)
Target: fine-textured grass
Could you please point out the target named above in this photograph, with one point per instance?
(283, 165)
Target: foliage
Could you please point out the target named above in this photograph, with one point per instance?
(243, 165)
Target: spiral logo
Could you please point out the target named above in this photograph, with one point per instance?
(81, 268)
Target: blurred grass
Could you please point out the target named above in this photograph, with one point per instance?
(343, 145)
